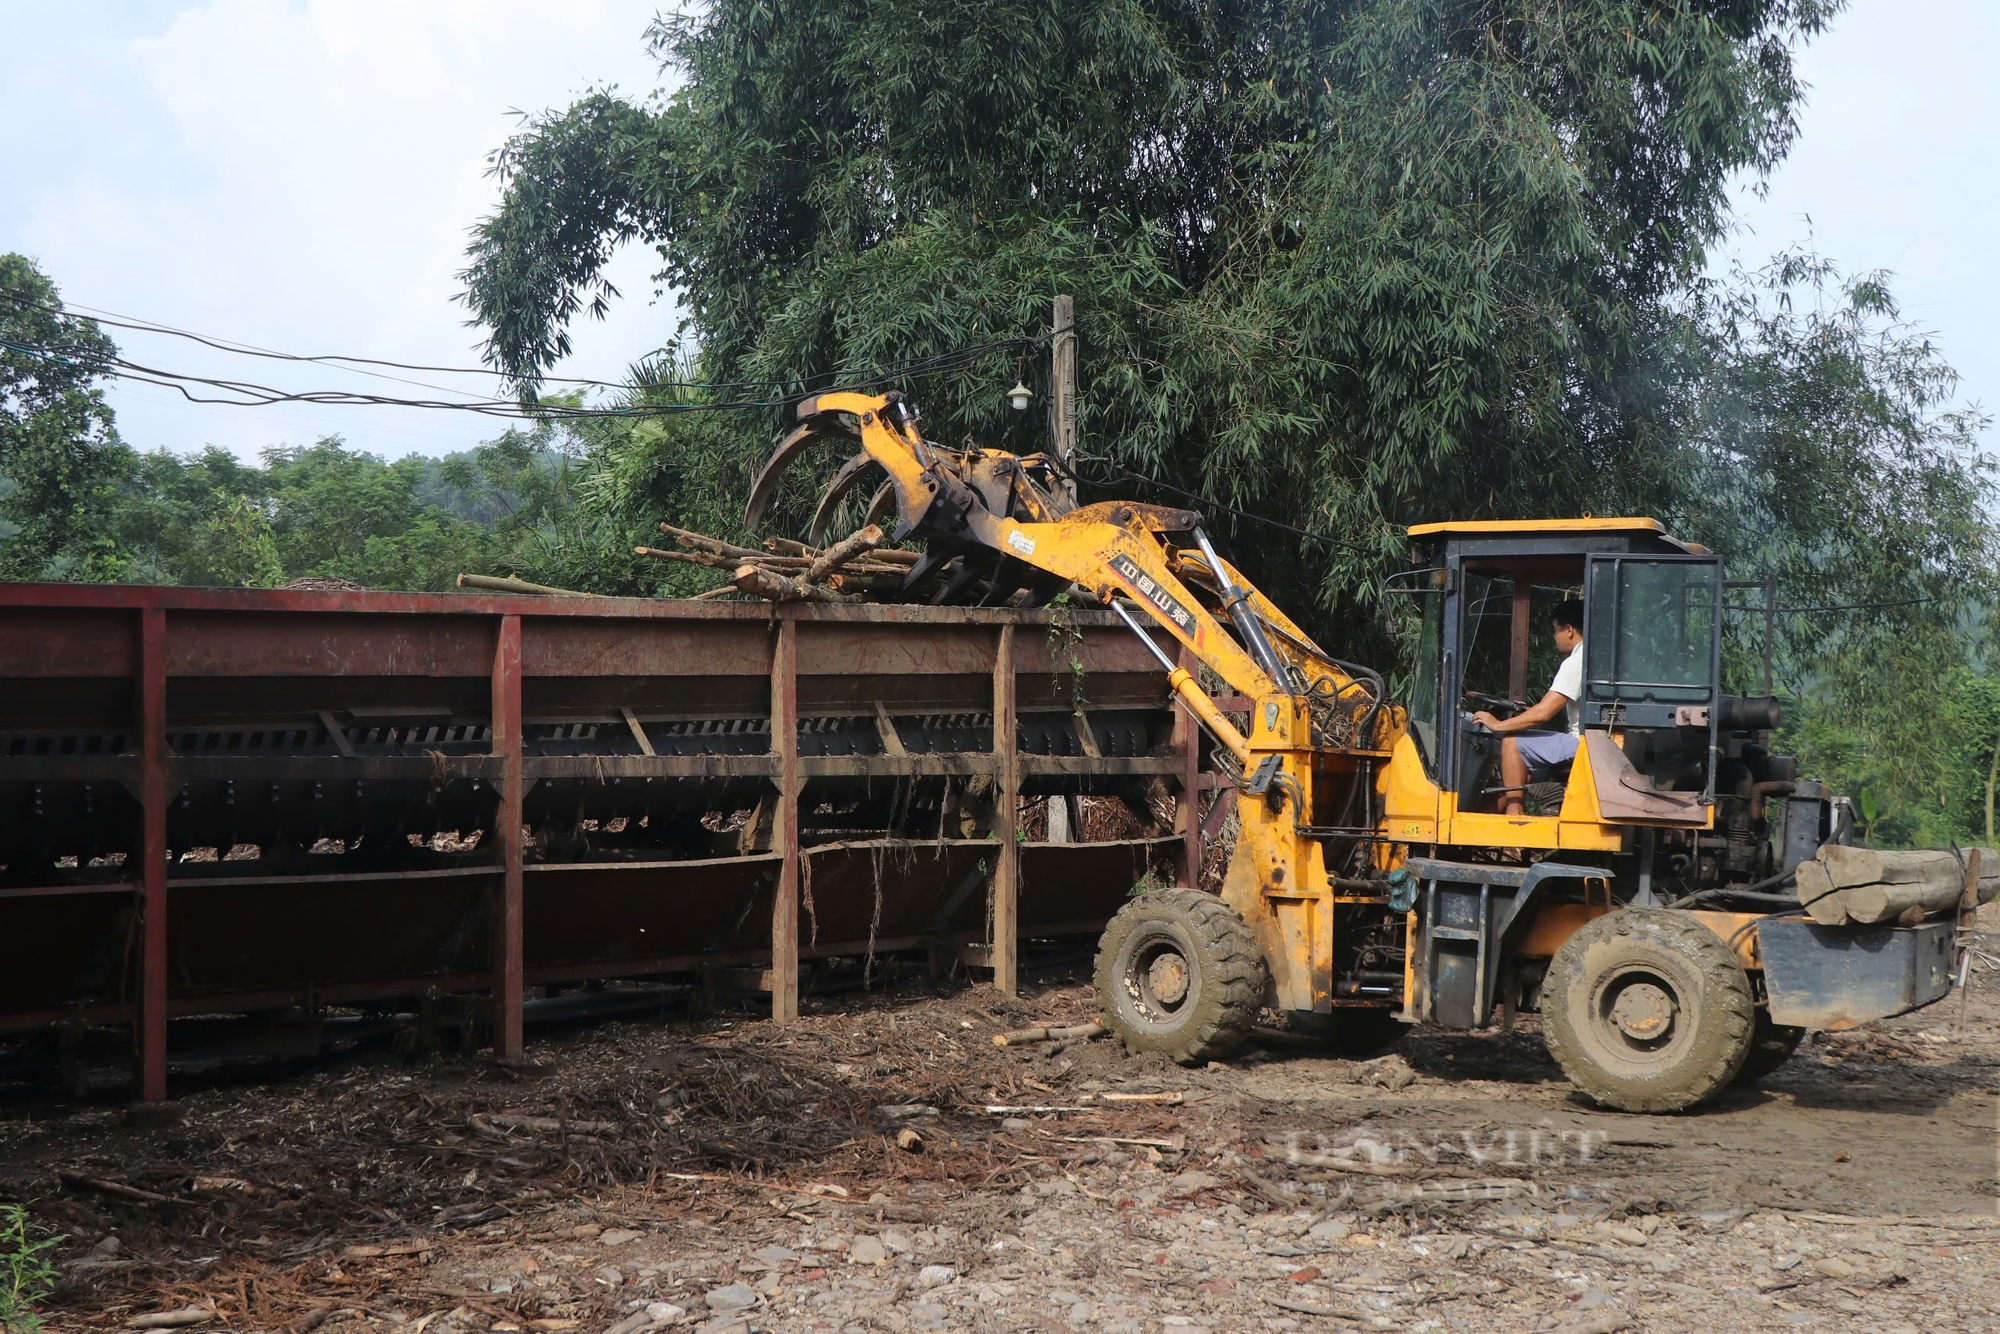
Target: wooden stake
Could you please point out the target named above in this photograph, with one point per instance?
(1006, 883)
(785, 902)
(1062, 402)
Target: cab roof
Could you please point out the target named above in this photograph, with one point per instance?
(1530, 527)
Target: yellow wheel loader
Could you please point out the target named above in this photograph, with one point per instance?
(1638, 900)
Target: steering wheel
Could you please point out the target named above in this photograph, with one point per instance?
(1494, 704)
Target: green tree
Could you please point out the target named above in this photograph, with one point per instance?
(1349, 266)
(203, 519)
(1820, 444)
(58, 448)
(342, 513)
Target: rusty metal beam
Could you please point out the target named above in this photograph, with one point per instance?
(1007, 859)
(1522, 630)
(785, 739)
(280, 767)
(1187, 747)
(59, 891)
(84, 700)
(507, 916)
(151, 713)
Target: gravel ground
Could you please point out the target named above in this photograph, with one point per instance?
(731, 1175)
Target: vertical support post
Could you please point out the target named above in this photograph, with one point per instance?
(785, 744)
(1187, 818)
(1517, 659)
(1770, 627)
(1062, 399)
(151, 715)
(508, 1044)
(1007, 859)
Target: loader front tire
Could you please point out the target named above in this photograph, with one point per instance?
(1771, 1045)
(1178, 972)
(1646, 1010)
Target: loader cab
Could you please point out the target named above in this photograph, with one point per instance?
(1651, 644)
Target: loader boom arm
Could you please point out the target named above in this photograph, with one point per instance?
(1112, 550)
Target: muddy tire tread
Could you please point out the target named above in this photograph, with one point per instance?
(1771, 1045)
(1725, 988)
(1228, 1011)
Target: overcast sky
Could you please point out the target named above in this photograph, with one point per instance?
(301, 176)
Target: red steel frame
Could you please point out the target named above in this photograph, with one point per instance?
(257, 633)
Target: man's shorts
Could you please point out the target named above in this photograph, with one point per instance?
(1545, 752)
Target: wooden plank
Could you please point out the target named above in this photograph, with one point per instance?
(785, 903)
(638, 732)
(336, 734)
(939, 765)
(885, 726)
(1523, 631)
(1006, 884)
(507, 920)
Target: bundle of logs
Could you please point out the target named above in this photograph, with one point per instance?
(1864, 886)
(853, 569)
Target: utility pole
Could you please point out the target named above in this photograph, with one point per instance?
(1062, 399)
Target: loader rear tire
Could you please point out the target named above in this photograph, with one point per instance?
(1646, 1010)
(1350, 1032)
(1771, 1045)
(1178, 972)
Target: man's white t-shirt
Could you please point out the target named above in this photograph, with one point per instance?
(1569, 684)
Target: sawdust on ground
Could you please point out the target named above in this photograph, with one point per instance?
(646, 1176)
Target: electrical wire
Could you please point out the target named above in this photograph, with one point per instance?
(245, 393)
(138, 324)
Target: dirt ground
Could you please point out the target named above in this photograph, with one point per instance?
(731, 1174)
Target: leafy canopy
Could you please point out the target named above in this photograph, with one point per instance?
(1348, 265)
(58, 446)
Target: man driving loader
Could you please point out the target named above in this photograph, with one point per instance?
(1532, 754)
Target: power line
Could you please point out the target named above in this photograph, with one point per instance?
(245, 393)
(138, 324)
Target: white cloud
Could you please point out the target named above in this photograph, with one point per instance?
(1898, 167)
(302, 176)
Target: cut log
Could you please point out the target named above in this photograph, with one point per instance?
(841, 552)
(777, 588)
(716, 562)
(891, 556)
(1053, 1033)
(714, 547)
(1870, 866)
(499, 584)
(1818, 894)
(848, 581)
(1869, 904)
(1876, 885)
